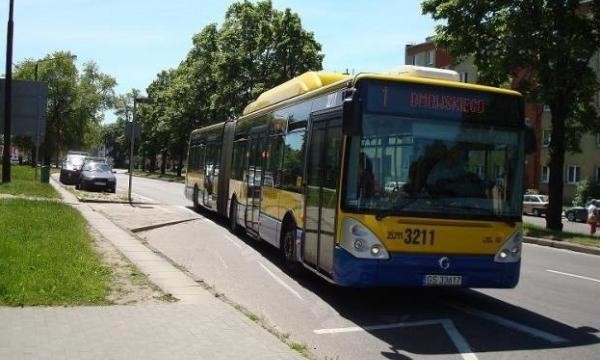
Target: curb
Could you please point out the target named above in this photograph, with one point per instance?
(562, 245)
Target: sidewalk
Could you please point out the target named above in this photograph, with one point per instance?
(198, 326)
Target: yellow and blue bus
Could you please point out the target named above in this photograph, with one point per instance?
(403, 179)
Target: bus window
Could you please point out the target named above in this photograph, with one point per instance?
(293, 161)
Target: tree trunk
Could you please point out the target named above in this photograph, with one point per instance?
(163, 164)
(180, 163)
(557, 161)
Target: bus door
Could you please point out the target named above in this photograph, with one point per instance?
(257, 149)
(211, 174)
(322, 174)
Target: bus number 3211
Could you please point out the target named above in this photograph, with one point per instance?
(413, 236)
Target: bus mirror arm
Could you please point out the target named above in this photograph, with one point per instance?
(351, 114)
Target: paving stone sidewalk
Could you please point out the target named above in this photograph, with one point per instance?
(199, 326)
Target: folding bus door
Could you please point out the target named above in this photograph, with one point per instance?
(322, 174)
(257, 148)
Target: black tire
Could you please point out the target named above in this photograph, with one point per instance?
(288, 249)
(571, 216)
(234, 227)
(536, 212)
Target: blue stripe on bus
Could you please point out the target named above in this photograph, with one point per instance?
(408, 270)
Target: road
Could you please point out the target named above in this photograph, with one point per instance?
(552, 314)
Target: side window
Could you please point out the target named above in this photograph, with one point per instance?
(292, 168)
(240, 147)
(274, 158)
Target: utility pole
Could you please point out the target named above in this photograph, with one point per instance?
(8, 97)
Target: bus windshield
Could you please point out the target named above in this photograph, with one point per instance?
(429, 167)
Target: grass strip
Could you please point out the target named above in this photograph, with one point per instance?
(46, 256)
(23, 183)
(539, 232)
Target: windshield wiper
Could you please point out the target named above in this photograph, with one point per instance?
(387, 212)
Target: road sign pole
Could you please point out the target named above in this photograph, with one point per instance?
(131, 144)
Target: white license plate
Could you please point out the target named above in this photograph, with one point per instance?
(442, 280)
(99, 183)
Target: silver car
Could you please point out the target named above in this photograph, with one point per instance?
(535, 204)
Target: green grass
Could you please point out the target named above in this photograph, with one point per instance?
(536, 231)
(171, 177)
(46, 256)
(23, 183)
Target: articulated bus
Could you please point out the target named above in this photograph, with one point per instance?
(404, 179)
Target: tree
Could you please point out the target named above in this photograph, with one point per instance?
(75, 101)
(545, 48)
(259, 48)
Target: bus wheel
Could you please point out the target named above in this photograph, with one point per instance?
(234, 227)
(288, 250)
(195, 199)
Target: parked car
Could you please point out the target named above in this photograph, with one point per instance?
(70, 167)
(535, 204)
(96, 175)
(578, 213)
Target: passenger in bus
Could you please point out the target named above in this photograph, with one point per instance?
(367, 186)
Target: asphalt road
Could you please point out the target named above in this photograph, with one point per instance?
(554, 313)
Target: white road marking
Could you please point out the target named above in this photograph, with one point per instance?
(511, 324)
(459, 341)
(222, 260)
(573, 275)
(233, 241)
(280, 281)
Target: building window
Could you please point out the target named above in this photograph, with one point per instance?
(545, 174)
(430, 57)
(464, 76)
(598, 174)
(573, 174)
(546, 137)
(598, 140)
(546, 108)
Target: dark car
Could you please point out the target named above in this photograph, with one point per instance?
(96, 175)
(578, 213)
(69, 169)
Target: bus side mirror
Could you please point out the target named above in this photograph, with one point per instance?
(351, 114)
(530, 142)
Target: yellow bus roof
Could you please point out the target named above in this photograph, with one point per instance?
(314, 80)
(299, 85)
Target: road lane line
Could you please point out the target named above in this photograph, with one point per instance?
(573, 275)
(459, 341)
(222, 260)
(511, 324)
(233, 241)
(280, 281)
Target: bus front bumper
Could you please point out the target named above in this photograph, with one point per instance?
(410, 270)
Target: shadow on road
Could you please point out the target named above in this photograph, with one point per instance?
(426, 321)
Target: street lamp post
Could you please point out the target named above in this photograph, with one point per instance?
(37, 121)
(141, 100)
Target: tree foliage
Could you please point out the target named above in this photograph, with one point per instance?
(256, 48)
(76, 101)
(544, 49)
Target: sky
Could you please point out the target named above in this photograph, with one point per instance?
(133, 40)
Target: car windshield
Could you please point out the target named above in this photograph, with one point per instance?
(75, 160)
(421, 167)
(96, 167)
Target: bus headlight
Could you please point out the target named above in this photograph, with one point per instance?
(511, 250)
(361, 242)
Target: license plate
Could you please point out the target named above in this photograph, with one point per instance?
(442, 280)
(99, 183)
